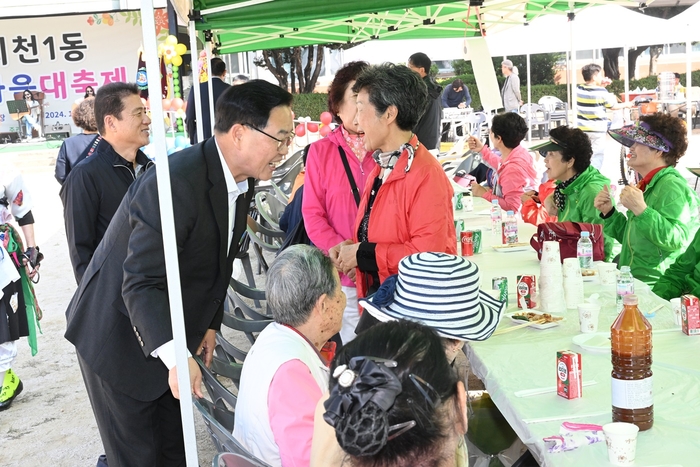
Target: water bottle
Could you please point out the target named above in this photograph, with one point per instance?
(495, 217)
(625, 285)
(584, 250)
(510, 229)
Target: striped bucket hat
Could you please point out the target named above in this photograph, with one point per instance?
(440, 291)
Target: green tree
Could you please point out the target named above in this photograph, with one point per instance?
(462, 67)
(542, 66)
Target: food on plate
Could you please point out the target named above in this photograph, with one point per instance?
(531, 316)
(510, 245)
(588, 272)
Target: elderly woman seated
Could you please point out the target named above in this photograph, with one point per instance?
(440, 291)
(285, 372)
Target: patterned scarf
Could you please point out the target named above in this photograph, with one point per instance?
(387, 160)
(559, 196)
(356, 142)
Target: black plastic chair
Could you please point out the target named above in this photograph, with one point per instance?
(238, 292)
(286, 183)
(230, 459)
(270, 208)
(238, 322)
(264, 239)
(217, 391)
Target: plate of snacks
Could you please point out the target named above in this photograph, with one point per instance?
(511, 247)
(589, 275)
(540, 320)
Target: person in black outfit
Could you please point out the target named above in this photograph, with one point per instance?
(119, 318)
(74, 149)
(428, 127)
(95, 187)
(218, 73)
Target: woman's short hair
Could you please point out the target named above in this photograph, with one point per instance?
(575, 145)
(396, 85)
(84, 115)
(249, 104)
(673, 129)
(589, 71)
(295, 282)
(336, 92)
(428, 384)
(510, 127)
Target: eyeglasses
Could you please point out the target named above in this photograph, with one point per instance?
(285, 142)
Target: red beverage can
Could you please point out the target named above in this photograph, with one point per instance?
(526, 288)
(569, 375)
(690, 315)
(466, 238)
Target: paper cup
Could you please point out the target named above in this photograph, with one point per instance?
(676, 305)
(607, 272)
(621, 439)
(588, 317)
(571, 268)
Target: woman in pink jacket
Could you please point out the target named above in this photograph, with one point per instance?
(329, 206)
(515, 170)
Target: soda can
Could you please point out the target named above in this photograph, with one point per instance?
(466, 238)
(476, 240)
(457, 201)
(526, 288)
(501, 284)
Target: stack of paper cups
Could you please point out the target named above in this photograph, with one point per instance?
(573, 283)
(551, 279)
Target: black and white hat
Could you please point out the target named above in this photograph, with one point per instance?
(440, 291)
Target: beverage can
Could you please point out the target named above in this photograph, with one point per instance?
(569, 375)
(501, 284)
(459, 205)
(690, 315)
(466, 238)
(459, 225)
(476, 240)
(526, 290)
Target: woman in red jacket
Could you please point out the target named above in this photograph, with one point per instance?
(406, 207)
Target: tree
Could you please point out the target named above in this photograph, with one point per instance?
(654, 53)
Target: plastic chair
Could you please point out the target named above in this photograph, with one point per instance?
(286, 182)
(287, 164)
(219, 422)
(558, 110)
(217, 391)
(264, 239)
(230, 459)
(238, 291)
(270, 208)
(537, 118)
(237, 321)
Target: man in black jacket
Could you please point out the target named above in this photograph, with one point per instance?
(119, 318)
(428, 127)
(218, 86)
(95, 187)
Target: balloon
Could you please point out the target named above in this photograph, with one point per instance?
(180, 49)
(180, 113)
(181, 141)
(203, 53)
(325, 130)
(326, 118)
(171, 40)
(169, 143)
(166, 104)
(143, 101)
(312, 127)
(300, 130)
(171, 151)
(175, 68)
(176, 104)
(176, 60)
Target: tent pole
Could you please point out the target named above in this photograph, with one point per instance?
(572, 71)
(627, 73)
(529, 91)
(168, 225)
(688, 84)
(195, 80)
(208, 47)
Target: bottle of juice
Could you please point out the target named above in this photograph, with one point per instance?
(632, 400)
(495, 217)
(509, 229)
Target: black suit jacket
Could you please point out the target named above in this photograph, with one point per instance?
(218, 86)
(120, 312)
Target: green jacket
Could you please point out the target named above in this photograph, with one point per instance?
(683, 276)
(654, 239)
(579, 202)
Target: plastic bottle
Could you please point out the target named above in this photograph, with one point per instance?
(584, 250)
(510, 229)
(495, 217)
(625, 285)
(632, 398)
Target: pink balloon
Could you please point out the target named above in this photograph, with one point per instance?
(176, 104)
(312, 127)
(325, 130)
(300, 130)
(166, 104)
(326, 118)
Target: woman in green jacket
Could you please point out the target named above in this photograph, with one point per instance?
(683, 276)
(567, 156)
(662, 210)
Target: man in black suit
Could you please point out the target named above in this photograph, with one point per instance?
(218, 86)
(119, 318)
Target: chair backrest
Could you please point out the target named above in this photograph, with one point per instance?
(286, 182)
(228, 351)
(219, 422)
(287, 164)
(216, 390)
(270, 208)
(267, 239)
(535, 112)
(549, 102)
(230, 459)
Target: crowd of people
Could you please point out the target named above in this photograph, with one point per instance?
(362, 365)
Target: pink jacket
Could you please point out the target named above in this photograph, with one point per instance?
(514, 175)
(328, 206)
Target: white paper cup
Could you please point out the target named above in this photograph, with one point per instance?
(676, 305)
(607, 272)
(588, 317)
(621, 439)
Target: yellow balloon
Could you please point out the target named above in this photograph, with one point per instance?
(171, 40)
(180, 49)
(176, 60)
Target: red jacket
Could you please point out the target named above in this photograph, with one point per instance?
(412, 213)
(534, 213)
